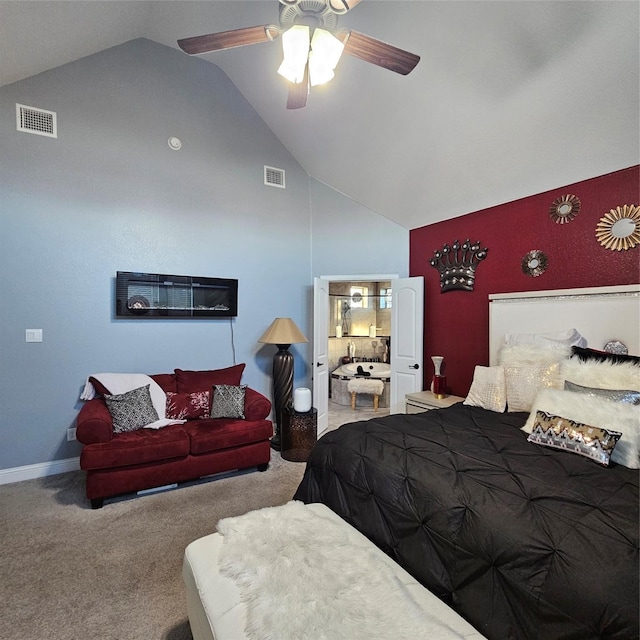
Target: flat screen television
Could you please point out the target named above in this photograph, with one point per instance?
(158, 295)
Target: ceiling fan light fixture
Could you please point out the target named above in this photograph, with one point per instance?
(325, 54)
(295, 46)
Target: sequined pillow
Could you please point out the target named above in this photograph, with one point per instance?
(605, 414)
(556, 432)
(227, 401)
(616, 395)
(131, 410)
(488, 389)
(523, 383)
(188, 406)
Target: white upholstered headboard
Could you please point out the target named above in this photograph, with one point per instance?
(600, 314)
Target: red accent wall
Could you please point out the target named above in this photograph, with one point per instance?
(457, 322)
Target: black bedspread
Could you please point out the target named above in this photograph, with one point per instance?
(523, 541)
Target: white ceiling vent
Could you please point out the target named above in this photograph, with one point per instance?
(274, 177)
(38, 121)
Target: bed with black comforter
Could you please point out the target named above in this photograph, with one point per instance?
(522, 540)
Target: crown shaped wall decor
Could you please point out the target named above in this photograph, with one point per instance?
(457, 265)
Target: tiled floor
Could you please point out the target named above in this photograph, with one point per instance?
(339, 414)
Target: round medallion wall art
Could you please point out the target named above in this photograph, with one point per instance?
(535, 263)
(564, 209)
(619, 230)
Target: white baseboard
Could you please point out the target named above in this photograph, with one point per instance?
(40, 470)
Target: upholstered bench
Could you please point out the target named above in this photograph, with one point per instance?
(363, 385)
(217, 611)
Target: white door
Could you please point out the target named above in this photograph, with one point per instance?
(320, 365)
(407, 322)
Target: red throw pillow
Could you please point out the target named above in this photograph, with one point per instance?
(188, 406)
(190, 381)
(167, 381)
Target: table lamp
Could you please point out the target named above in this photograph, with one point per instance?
(282, 332)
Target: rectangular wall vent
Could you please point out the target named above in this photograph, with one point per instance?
(34, 120)
(274, 177)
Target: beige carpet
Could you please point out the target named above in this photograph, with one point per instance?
(71, 573)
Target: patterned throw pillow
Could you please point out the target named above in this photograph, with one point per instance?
(561, 433)
(131, 410)
(228, 401)
(188, 406)
(614, 416)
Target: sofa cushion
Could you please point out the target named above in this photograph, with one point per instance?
(222, 433)
(131, 410)
(190, 381)
(227, 401)
(188, 406)
(136, 447)
(167, 381)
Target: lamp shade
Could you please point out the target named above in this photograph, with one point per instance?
(283, 331)
(295, 46)
(325, 53)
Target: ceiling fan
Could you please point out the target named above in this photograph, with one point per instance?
(312, 44)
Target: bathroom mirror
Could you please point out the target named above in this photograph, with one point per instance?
(564, 209)
(619, 230)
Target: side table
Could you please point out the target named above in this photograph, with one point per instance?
(425, 400)
(298, 434)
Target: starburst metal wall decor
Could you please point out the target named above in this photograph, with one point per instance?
(457, 264)
(619, 230)
(564, 209)
(535, 263)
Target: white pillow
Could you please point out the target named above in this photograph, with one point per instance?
(605, 375)
(488, 389)
(596, 412)
(523, 383)
(569, 337)
(521, 354)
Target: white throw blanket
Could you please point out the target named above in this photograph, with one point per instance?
(118, 383)
(301, 578)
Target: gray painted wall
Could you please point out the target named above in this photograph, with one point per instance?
(108, 194)
(350, 239)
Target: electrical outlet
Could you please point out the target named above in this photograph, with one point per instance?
(71, 434)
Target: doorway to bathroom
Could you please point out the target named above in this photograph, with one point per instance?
(368, 321)
(359, 347)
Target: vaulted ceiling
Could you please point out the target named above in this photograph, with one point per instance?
(510, 98)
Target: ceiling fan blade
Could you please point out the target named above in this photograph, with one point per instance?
(377, 52)
(229, 39)
(298, 91)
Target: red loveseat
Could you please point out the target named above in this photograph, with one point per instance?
(118, 463)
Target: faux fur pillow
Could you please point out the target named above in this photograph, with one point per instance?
(488, 389)
(597, 412)
(604, 375)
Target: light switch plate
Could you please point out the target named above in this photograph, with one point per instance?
(33, 335)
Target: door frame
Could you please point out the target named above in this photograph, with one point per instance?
(367, 277)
